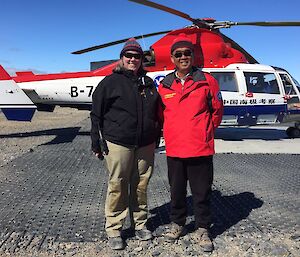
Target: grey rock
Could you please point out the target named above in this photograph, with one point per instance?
(156, 252)
(279, 251)
(296, 237)
(185, 243)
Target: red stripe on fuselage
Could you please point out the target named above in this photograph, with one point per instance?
(28, 76)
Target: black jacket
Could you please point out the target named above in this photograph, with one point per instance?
(125, 109)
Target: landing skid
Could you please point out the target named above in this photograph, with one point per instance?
(294, 132)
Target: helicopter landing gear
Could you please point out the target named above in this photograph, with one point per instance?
(294, 132)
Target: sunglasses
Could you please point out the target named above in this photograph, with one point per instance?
(130, 55)
(186, 53)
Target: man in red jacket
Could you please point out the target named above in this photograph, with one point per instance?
(193, 109)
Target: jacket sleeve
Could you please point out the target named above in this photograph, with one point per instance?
(216, 101)
(98, 99)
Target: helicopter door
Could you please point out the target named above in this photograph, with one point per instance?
(291, 95)
(233, 99)
(265, 103)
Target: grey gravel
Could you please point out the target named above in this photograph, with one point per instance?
(255, 198)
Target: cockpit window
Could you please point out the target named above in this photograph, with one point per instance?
(227, 81)
(296, 82)
(287, 84)
(258, 82)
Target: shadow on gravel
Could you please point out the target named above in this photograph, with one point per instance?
(63, 135)
(230, 209)
(226, 211)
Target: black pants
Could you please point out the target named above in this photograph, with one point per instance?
(199, 172)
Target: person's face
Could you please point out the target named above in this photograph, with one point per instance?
(183, 59)
(132, 60)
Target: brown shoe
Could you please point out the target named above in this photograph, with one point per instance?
(202, 236)
(174, 232)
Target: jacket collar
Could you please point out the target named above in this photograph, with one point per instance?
(196, 74)
(129, 73)
(140, 79)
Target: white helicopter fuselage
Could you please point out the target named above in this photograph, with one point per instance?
(62, 91)
(264, 103)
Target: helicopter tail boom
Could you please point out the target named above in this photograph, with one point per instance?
(14, 103)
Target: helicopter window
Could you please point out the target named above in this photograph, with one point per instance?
(287, 84)
(258, 82)
(297, 83)
(149, 59)
(227, 81)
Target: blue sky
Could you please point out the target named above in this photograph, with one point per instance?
(40, 35)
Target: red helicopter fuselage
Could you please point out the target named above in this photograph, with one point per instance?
(211, 51)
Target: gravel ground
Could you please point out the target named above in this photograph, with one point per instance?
(18, 138)
(24, 136)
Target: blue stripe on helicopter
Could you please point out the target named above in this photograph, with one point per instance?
(254, 109)
(248, 115)
(19, 114)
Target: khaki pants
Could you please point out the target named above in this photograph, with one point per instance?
(129, 172)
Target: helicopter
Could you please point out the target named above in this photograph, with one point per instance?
(253, 93)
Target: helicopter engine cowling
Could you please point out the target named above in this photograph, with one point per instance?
(210, 49)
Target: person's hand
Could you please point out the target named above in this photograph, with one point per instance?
(99, 155)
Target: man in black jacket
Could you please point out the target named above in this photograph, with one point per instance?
(125, 122)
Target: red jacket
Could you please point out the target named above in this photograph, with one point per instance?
(191, 113)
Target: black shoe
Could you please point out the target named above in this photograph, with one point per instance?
(116, 243)
(143, 234)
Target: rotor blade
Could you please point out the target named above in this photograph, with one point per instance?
(269, 23)
(165, 8)
(118, 42)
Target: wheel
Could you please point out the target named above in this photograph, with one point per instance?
(296, 133)
(293, 132)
